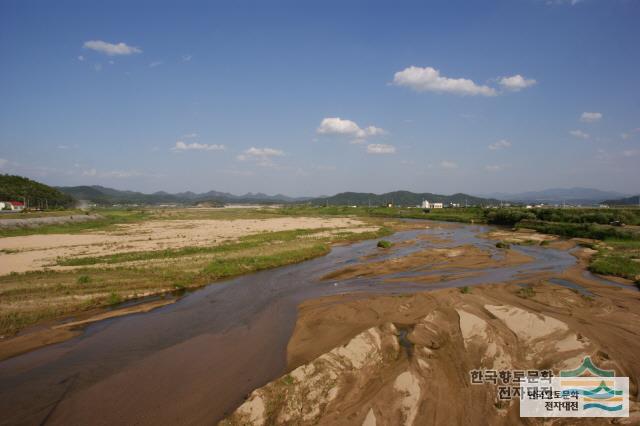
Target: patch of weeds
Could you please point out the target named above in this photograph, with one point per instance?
(465, 290)
(526, 292)
(545, 242)
(84, 279)
(114, 298)
(503, 245)
(384, 244)
(288, 380)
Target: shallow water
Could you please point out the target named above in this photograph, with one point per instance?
(193, 362)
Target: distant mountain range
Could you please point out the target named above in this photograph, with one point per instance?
(403, 198)
(629, 201)
(109, 196)
(560, 195)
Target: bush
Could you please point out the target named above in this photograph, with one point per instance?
(114, 298)
(84, 279)
(526, 292)
(465, 290)
(384, 244)
(503, 245)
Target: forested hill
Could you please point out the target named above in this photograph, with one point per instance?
(36, 194)
(629, 201)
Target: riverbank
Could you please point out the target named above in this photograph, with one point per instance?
(48, 276)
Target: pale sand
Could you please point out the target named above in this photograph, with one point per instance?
(35, 252)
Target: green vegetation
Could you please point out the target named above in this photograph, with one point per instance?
(384, 244)
(32, 297)
(466, 215)
(465, 290)
(503, 245)
(84, 279)
(17, 188)
(114, 298)
(580, 230)
(526, 292)
(619, 258)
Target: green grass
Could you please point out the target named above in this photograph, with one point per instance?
(84, 279)
(225, 268)
(618, 258)
(580, 230)
(466, 215)
(465, 290)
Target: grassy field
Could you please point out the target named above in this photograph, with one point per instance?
(465, 215)
(617, 257)
(32, 297)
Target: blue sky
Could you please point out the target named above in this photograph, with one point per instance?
(319, 97)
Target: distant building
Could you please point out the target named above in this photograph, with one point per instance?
(11, 205)
(437, 205)
(426, 204)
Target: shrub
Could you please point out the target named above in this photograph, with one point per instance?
(384, 244)
(526, 292)
(465, 290)
(84, 279)
(114, 298)
(503, 245)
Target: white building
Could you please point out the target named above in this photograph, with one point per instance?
(426, 204)
(437, 205)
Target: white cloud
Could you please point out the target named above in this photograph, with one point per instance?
(428, 79)
(380, 148)
(448, 164)
(339, 126)
(262, 156)
(97, 67)
(3, 162)
(81, 58)
(110, 48)
(63, 147)
(493, 168)
(631, 152)
(186, 58)
(590, 117)
(516, 82)
(579, 134)
(263, 152)
(190, 136)
(155, 64)
(501, 144)
(182, 146)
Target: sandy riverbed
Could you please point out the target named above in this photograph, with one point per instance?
(34, 252)
(406, 359)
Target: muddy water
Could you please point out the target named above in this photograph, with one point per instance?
(193, 362)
